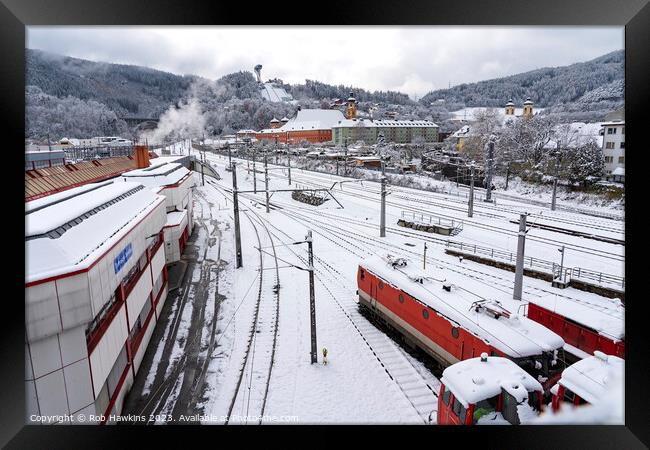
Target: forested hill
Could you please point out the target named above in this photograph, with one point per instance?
(601, 79)
(134, 91)
(129, 91)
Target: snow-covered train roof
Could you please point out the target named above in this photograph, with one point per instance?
(591, 378)
(161, 175)
(606, 316)
(474, 379)
(516, 336)
(69, 235)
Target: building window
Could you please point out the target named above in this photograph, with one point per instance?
(622, 144)
(621, 159)
(623, 130)
(611, 131)
(609, 145)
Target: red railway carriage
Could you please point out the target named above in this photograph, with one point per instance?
(435, 318)
(576, 334)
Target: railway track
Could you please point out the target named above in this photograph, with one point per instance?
(163, 398)
(488, 227)
(511, 209)
(251, 391)
(418, 387)
(496, 282)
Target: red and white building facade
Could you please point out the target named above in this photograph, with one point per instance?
(175, 182)
(95, 286)
(96, 282)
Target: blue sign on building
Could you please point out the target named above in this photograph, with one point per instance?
(122, 258)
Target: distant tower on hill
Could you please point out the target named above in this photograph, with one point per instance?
(510, 108)
(258, 72)
(351, 108)
(275, 123)
(528, 108)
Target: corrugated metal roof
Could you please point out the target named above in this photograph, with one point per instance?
(46, 181)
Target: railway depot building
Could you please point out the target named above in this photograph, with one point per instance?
(175, 182)
(96, 283)
(398, 131)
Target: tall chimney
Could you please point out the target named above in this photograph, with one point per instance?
(141, 156)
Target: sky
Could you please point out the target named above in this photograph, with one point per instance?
(412, 60)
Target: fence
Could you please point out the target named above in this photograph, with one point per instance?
(431, 220)
(541, 264)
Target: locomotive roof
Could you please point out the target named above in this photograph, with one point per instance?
(592, 377)
(473, 380)
(516, 336)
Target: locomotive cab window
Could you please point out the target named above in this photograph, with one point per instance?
(485, 407)
(363, 274)
(425, 313)
(446, 395)
(381, 285)
(458, 409)
(454, 332)
(401, 298)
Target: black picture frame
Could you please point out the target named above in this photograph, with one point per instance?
(16, 14)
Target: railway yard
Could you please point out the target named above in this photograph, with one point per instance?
(234, 343)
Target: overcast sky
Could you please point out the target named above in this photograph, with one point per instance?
(413, 60)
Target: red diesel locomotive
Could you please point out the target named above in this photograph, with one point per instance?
(432, 316)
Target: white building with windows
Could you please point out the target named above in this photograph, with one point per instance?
(171, 179)
(95, 285)
(614, 149)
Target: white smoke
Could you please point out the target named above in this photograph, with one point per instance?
(179, 122)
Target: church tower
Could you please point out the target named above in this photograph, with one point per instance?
(351, 108)
(528, 108)
(510, 108)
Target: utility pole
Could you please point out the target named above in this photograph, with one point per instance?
(254, 172)
(490, 166)
(424, 265)
(382, 218)
(289, 162)
(562, 263)
(337, 164)
(266, 182)
(557, 173)
(507, 174)
(276, 150)
(203, 162)
(312, 298)
(235, 202)
(229, 156)
(470, 206)
(346, 158)
(203, 168)
(519, 269)
(457, 175)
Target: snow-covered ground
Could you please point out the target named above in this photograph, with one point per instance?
(260, 371)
